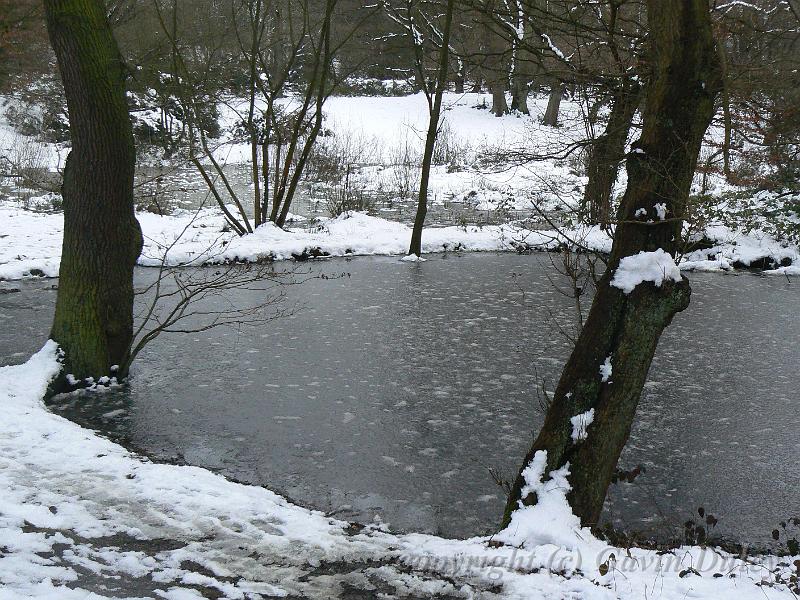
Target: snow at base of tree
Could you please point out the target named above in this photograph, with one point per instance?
(550, 521)
(657, 267)
(412, 258)
(580, 425)
(82, 518)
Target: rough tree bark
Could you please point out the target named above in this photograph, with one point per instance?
(94, 310)
(433, 130)
(606, 154)
(684, 83)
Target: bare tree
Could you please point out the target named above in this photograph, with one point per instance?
(289, 51)
(423, 31)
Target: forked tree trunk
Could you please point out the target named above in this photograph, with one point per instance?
(626, 328)
(94, 311)
(607, 152)
(553, 105)
(415, 247)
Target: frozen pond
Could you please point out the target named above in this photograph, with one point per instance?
(396, 389)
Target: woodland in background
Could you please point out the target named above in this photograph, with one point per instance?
(591, 51)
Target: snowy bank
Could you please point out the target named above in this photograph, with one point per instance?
(731, 249)
(82, 518)
(31, 242)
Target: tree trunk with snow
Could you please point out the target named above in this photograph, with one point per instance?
(553, 105)
(609, 365)
(606, 154)
(102, 239)
(523, 62)
(459, 77)
(433, 130)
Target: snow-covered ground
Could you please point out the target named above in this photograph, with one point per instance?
(31, 241)
(375, 132)
(82, 518)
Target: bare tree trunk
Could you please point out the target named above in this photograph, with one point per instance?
(726, 108)
(553, 105)
(93, 321)
(606, 154)
(477, 84)
(433, 129)
(520, 88)
(495, 65)
(499, 103)
(623, 329)
(522, 61)
(251, 124)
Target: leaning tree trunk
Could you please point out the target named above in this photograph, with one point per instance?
(553, 105)
(606, 154)
(415, 246)
(623, 329)
(93, 322)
